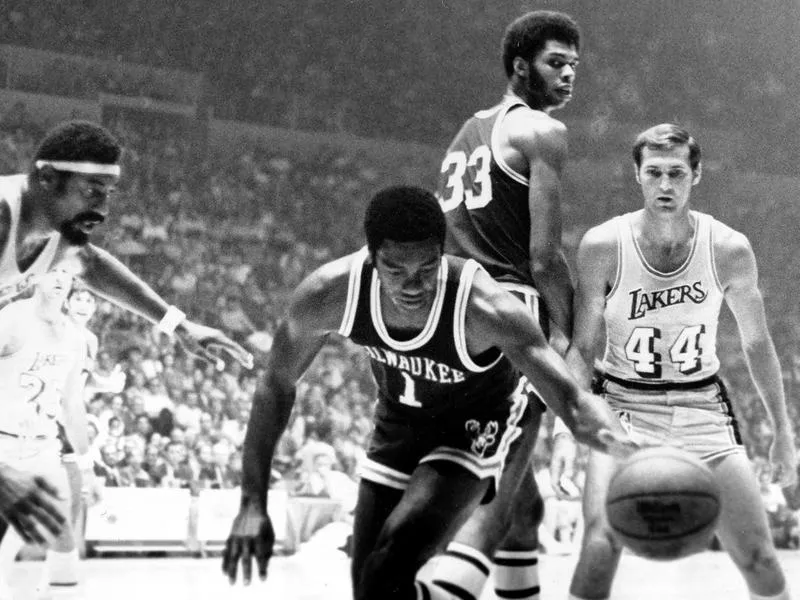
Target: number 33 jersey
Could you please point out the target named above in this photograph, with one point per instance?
(662, 327)
(430, 371)
(485, 200)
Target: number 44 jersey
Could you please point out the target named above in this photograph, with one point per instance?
(662, 327)
(429, 372)
(485, 200)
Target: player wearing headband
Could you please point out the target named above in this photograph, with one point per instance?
(48, 216)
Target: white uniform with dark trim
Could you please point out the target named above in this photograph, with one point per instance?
(659, 370)
(32, 380)
(13, 282)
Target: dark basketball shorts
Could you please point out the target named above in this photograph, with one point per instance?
(479, 439)
(534, 302)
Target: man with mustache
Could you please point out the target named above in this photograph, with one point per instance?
(47, 216)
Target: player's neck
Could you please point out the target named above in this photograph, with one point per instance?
(665, 230)
(531, 100)
(33, 222)
(49, 312)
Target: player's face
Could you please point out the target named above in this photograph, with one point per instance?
(666, 178)
(54, 286)
(83, 205)
(81, 306)
(409, 272)
(552, 75)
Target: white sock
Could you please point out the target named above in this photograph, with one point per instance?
(784, 595)
(9, 548)
(460, 573)
(516, 574)
(62, 567)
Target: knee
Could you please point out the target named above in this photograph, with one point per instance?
(759, 559)
(597, 533)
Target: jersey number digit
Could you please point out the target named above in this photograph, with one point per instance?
(408, 396)
(684, 353)
(480, 160)
(640, 350)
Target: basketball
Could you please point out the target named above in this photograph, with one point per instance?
(663, 503)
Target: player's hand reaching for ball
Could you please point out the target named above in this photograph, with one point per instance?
(783, 457)
(208, 343)
(251, 537)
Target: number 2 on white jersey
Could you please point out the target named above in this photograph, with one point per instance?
(684, 352)
(480, 159)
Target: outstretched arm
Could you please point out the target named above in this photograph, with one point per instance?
(496, 318)
(316, 310)
(736, 265)
(110, 279)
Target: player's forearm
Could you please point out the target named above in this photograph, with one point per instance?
(112, 280)
(762, 360)
(269, 417)
(551, 276)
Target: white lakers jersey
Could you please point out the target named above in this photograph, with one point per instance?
(32, 379)
(14, 282)
(662, 327)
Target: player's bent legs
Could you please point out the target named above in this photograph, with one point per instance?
(505, 529)
(439, 498)
(375, 503)
(743, 528)
(600, 550)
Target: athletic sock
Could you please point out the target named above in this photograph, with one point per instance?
(62, 567)
(460, 573)
(516, 574)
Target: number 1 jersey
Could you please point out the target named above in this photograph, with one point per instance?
(662, 327)
(485, 201)
(431, 372)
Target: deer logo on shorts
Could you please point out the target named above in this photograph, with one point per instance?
(481, 440)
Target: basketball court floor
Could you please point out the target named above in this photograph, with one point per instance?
(323, 576)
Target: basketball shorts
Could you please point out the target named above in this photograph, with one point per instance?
(37, 456)
(697, 417)
(479, 439)
(533, 301)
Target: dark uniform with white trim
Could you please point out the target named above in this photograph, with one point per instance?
(435, 402)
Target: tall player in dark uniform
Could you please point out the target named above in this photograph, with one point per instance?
(500, 189)
(449, 403)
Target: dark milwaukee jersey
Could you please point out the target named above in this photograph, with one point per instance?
(485, 201)
(431, 372)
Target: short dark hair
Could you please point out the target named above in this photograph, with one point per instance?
(403, 214)
(80, 141)
(666, 136)
(527, 35)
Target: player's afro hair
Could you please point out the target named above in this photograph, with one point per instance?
(527, 35)
(80, 141)
(403, 214)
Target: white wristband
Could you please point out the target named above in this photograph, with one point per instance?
(171, 319)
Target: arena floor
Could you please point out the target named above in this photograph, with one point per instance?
(323, 576)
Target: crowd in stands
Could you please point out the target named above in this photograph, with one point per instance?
(227, 242)
(385, 69)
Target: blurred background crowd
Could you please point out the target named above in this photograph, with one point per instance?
(226, 232)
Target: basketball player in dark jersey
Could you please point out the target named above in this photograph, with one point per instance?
(500, 189)
(445, 342)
